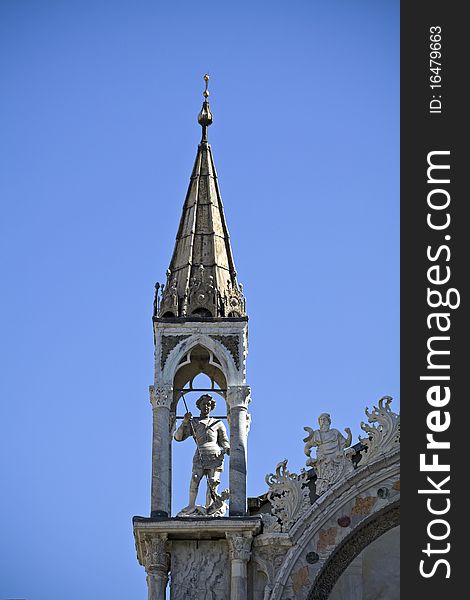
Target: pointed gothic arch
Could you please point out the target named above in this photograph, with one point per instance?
(218, 352)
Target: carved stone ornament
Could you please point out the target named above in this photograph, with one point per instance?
(288, 494)
(169, 297)
(233, 300)
(202, 294)
(168, 343)
(333, 461)
(271, 524)
(161, 396)
(155, 556)
(239, 395)
(269, 559)
(231, 342)
(239, 545)
(382, 437)
(248, 422)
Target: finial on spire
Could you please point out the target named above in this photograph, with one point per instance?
(206, 91)
(205, 116)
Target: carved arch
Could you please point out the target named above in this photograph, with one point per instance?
(339, 513)
(227, 364)
(368, 531)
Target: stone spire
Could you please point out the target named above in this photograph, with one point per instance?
(201, 279)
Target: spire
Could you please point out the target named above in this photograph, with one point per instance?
(201, 279)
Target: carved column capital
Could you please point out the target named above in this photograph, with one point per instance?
(269, 557)
(161, 396)
(240, 545)
(155, 557)
(239, 396)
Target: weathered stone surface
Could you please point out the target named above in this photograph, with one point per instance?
(200, 570)
(327, 537)
(300, 579)
(237, 473)
(268, 553)
(363, 506)
(161, 476)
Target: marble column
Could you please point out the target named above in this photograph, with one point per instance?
(238, 398)
(156, 563)
(160, 398)
(240, 551)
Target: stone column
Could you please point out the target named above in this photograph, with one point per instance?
(238, 398)
(156, 563)
(240, 551)
(160, 398)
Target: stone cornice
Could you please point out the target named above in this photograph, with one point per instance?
(179, 320)
(196, 528)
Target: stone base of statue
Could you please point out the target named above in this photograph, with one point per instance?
(217, 508)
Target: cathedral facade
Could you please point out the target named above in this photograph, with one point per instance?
(331, 531)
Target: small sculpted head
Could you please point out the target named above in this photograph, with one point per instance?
(324, 420)
(205, 404)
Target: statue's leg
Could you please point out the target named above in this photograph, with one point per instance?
(194, 486)
(213, 481)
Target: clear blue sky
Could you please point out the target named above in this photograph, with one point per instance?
(98, 117)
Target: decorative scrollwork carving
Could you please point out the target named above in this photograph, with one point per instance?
(288, 494)
(383, 437)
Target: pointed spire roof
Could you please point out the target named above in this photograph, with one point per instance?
(201, 279)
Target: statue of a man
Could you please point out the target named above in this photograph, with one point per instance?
(211, 445)
(331, 461)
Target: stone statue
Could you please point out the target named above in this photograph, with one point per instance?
(211, 445)
(332, 462)
(156, 300)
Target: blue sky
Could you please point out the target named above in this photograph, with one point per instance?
(99, 133)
